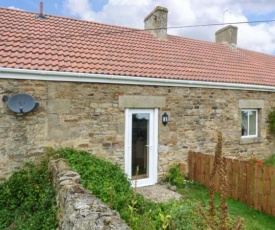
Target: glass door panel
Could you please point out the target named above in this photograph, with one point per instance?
(141, 132)
(140, 144)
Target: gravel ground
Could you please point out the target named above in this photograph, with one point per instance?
(158, 193)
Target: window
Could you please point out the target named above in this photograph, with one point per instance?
(249, 123)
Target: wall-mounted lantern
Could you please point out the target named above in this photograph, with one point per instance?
(20, 103)
(165, 119)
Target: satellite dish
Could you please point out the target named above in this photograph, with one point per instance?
(21, 103)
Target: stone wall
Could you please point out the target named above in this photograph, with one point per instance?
(21, 138)
(78, 209)
(89, 116)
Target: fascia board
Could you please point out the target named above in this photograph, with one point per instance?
(10, 73)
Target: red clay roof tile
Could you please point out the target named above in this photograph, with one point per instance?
(69, 45)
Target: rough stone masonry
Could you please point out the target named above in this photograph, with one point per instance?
(78, 209)
(89, 116)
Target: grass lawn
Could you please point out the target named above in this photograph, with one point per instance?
(254, 220)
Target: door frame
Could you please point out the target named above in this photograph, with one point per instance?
(153, 152)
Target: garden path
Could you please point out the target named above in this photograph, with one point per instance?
(158, 193)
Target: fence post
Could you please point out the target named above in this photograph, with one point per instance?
(242, 182)
(259, 187)
(267, 201)
(250, 183)
(228, 164)
(235, 179)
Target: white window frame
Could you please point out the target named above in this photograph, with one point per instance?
(257, 122)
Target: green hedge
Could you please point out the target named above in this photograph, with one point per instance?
(27, 200)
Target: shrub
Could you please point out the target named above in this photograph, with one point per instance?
(271, 121)
(110, 184)
(27, 199)
(174, 176)
(99, 176)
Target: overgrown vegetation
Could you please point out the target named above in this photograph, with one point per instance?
(254, 219)
(219, 219)
(174, 176)
(27, 200)
(104, 179)
(270, 161)
(271, 121)
(108, 183)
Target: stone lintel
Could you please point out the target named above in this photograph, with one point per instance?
(251, 104)
(142, 102)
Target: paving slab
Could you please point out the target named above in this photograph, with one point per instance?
(158, 193)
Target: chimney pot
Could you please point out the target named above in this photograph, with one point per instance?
(227, 35)
(156, 22)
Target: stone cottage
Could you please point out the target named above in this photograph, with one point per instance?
(138, 98)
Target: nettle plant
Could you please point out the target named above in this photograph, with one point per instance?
(271, 121)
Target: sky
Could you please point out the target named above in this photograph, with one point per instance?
(131, 13)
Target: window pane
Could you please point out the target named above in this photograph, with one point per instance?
(252, 122)
(244, 123)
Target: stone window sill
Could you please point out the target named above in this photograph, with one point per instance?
(252, 140)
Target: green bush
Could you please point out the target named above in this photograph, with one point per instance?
(27, 200)
(111, 185)
(271, 121)
(99, 176)
(185, 215)
(174, 176)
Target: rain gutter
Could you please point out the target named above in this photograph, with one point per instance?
(41, 75)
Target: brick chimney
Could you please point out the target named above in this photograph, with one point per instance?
(156, 22)
(41, 12)
(227, 35)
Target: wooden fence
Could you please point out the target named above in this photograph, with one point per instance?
(251, 183)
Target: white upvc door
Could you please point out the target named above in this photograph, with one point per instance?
(141, 141)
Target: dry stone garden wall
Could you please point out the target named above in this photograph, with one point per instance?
(78, 209)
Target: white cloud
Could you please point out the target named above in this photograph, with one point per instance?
(125, 12)
(80, 8)
(14, 8)
(259, 38)
(188, 12)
